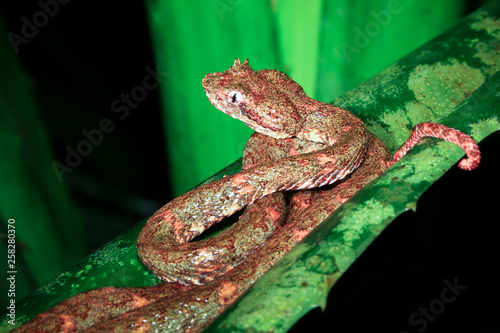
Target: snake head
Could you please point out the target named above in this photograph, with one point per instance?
(252, 97)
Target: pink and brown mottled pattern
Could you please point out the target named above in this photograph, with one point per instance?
(300, 144)
(430, 129)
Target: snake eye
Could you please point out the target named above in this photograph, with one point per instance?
(235, 97)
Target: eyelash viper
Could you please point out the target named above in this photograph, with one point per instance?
(299, 144)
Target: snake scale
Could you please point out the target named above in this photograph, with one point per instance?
(299, 144)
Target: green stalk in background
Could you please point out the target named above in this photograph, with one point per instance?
(189, 44)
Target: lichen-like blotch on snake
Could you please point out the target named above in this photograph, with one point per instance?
(299, 144)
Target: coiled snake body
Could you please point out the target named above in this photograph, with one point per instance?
(299, 144)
